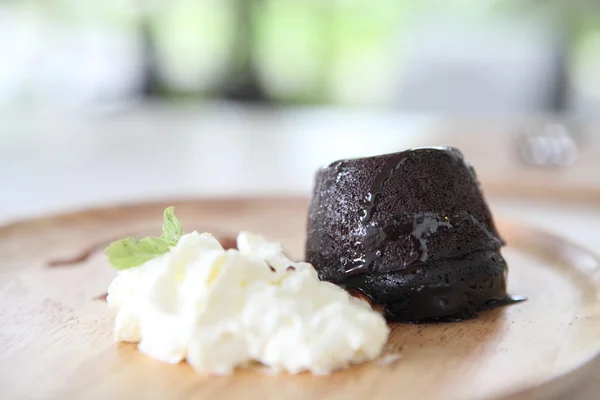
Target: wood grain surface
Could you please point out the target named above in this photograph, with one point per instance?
(56, 331)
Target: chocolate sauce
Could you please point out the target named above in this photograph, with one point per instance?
(415, 229)
(101, 297)
(228, 242)
(507, 301)
(78, 258)
(86, 253)
(385, 173)
(375, 238)
(440, 293)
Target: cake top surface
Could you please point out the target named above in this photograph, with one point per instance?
(416, 150)
(397, 210)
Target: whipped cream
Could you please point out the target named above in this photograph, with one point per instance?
(223, 309)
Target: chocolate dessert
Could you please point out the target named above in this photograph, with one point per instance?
(411, 231)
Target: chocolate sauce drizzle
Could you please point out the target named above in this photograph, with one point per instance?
(375, 237)
(89, 251)
(78, 258)
(417, 229)
(445, 302)
(227, 241)
(101, 297)
(507, 301)
(384, 175)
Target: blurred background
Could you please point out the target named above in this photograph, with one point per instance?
(130, 100)
(455, 56)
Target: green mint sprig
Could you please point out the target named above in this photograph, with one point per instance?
(128, 253)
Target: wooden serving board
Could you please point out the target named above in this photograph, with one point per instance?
(56, 332)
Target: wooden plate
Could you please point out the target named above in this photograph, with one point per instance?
(56, 335)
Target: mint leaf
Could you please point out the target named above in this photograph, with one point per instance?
(128, 253)
(171, 228)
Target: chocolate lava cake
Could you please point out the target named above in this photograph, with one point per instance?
(409, 230)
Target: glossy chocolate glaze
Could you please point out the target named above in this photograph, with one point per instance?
(411, 231)
(418, 227)
(448, 291)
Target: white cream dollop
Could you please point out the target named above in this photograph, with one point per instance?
(223, 309)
